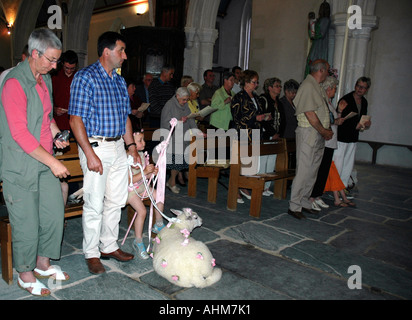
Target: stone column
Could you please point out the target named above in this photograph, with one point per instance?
(191, 65)
(207, 38)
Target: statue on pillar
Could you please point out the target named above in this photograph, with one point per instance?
(319, 34)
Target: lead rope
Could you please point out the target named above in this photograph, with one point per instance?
(160, 179)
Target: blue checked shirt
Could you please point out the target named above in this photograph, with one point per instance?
(101, 101)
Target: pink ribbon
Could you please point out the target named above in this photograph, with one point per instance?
(161, 148)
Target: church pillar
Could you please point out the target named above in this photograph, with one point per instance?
(191, 65)
(359, 44)
(207, 39)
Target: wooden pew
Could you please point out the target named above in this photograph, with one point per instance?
(205, 169)
(256, 182)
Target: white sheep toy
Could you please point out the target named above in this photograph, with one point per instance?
(181, 259)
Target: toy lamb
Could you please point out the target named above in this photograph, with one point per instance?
(181, 260)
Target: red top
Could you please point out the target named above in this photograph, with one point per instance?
(15, 106)
(61, 97)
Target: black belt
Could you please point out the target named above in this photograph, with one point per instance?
(108, 139)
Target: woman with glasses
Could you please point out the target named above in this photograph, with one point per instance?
(30, 172)
(271, 126)
(247, 113)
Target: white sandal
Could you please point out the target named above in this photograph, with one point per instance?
(37, 287)
(53, 271)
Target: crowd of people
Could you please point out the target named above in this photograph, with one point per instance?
(101, 111)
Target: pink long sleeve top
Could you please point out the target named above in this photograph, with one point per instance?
(15, 107)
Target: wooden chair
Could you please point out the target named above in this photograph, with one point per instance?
(256, 182)
(200, 167)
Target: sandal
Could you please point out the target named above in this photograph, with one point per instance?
(53, 272)
(341, 204)
(350, 203)
(37, 287)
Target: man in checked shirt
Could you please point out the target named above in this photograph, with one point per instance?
(99, 108)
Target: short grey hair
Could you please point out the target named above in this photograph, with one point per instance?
(318, 65)
(330, 83)
(43, 39)
(194, 87)
(182, 92)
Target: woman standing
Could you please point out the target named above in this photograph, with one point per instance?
(329, 85)
(271, 126)
(30, 173)
(178, 108)
(247, 112)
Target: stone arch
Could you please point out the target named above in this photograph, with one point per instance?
(201, 35)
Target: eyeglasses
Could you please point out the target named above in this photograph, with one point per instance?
(50, 60)
(254, 82)
(362, 87)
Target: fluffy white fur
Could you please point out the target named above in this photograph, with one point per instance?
(181, 259)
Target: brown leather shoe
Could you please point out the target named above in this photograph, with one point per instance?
(95, 266)
(119, 255)
(296, 214)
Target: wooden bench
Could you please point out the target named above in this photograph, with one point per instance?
(199, 167)
(256, 182)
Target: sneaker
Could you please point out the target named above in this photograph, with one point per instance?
(140, 250)
(315, 207)
(156, 228)
(267, 193)
(240, 200)
(349, 196)
(321, 204)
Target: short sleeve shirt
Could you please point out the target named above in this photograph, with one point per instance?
(311, 97)
(100, 100)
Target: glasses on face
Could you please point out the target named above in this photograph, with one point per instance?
(50, 60)
(362, 87)
(254, 82)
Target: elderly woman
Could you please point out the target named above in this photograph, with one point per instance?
(194, 90)
(177, 107)
(221, 100)
(30, 173)
(329, 85)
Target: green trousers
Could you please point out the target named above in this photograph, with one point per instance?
(36, 219)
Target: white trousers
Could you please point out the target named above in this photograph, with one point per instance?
(344, 158)
(267, 164)
(104, 196)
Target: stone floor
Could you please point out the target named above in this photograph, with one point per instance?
(275, 257)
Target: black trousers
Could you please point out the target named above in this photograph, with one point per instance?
(322, 173)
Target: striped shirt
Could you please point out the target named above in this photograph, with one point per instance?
(100, 100)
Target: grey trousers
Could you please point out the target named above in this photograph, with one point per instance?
(36, 219)
(309, 152)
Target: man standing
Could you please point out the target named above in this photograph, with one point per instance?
(61, 88)
(348, 132)
(142, 90)
(313, 129)
(208, 89)
(161, 90)
(99, 109)
(237, 71)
